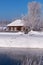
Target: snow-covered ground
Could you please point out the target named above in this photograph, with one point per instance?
(31, 40)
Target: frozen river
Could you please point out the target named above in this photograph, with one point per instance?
(20, 56)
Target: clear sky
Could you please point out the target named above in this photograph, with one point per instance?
(10, 9)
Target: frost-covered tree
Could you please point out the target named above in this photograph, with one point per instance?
(26, 24)
(34, 14)
(33, 18)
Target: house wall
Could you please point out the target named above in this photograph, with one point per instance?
(15, 28)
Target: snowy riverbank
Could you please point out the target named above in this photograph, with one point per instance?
(31, 40)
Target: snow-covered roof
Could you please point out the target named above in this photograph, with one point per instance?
(16, 23)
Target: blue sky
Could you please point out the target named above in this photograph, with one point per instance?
(10, 9)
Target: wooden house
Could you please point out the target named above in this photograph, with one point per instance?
(16, 25)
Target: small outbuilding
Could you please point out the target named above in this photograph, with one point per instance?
(16, 25)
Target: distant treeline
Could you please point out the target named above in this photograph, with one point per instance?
(4, 23)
